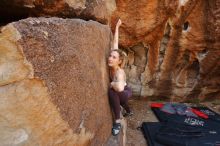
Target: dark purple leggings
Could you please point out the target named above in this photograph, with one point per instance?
(119, 98)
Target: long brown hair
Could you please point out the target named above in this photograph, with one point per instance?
(122, 57)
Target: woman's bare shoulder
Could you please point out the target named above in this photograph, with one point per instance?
(120, 72)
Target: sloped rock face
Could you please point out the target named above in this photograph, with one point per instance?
(173, 47)
(98, 10)
(53, 86)
(143, 21)
(197, 68)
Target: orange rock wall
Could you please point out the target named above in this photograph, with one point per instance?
(172, 45)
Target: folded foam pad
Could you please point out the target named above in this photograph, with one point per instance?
(165, 134)
(186, 135)
(149, 130)
(180, 109)
(210, 123)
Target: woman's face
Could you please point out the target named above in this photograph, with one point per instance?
(113, 59)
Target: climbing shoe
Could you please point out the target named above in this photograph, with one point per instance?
(116, 129)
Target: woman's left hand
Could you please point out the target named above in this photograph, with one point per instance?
(119, 23)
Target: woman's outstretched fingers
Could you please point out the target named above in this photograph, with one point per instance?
(119, 22)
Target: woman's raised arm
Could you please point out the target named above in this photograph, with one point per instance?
(116, 35)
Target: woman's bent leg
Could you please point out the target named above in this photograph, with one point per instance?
(124, 95)
(115, 103)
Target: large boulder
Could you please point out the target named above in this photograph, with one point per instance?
(53, 85)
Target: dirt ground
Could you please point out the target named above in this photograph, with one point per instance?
(143, 113)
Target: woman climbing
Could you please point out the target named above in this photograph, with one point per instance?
(119, 92)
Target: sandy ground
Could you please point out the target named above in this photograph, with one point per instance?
(143, 113)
